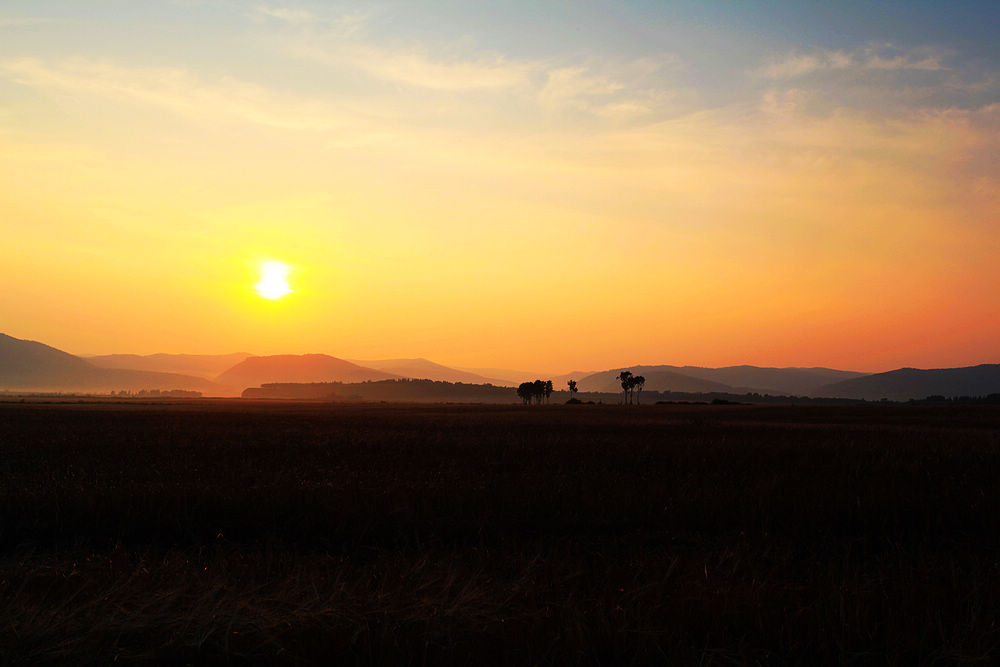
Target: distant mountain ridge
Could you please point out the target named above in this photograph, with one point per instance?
(202, 365)
(510, 376)
(656, 380)
(424, 369)
(34, 366)
(914, 383)
(792, 381)
(279, 368)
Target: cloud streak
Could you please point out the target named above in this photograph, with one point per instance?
(419, 69)
(339, 41)
(22, 22)
(177, 90)
(872, 58)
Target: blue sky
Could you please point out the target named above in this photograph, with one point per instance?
(715, 44)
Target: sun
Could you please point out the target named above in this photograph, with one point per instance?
(273, 280)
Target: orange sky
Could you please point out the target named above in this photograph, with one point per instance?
(490, 206)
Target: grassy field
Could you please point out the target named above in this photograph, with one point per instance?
(241, 532)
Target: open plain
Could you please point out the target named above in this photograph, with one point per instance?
(300, 533)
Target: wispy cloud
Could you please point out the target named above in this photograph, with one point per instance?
(176, 90)
(418, 68)
(566, 85)
(344, 42)
(21, 22)
(620, 92)
(871, 58)
(339, 40)
(286, 14)
(345, 24)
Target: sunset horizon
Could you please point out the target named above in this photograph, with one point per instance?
(578, 368)
(517, 187)
(624, 363)
(400, 332)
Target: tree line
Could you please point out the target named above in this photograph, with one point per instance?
(539, 390)
(534, 392)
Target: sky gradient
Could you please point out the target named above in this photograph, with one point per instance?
(555, 187)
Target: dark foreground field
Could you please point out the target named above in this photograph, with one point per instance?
(297, 533)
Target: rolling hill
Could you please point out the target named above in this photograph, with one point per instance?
(914, 383)
(791, 381)
(34, 366)
(656, 380)
(423, 369)
(734, 379)
(255, 371)
(202, 365)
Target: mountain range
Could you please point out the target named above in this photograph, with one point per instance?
(32, 366)
(200, 365)
(29, 365)
(255, 371)
(422, 369)
(907, 383)
(731, 379)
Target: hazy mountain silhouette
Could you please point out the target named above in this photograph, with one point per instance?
(560, 380)
(423, 369)
(26, 363)
(907, 383)
(203, 365)
(783, 381)
(656, 380)
(34, 366)
(30, 365)
(512, 378)
(255, 371)
(736, 379)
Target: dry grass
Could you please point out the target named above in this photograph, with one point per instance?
(247, 533)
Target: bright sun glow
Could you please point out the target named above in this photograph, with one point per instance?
(273, 280)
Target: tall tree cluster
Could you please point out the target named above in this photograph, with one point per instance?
(534, 392)
(631, 386)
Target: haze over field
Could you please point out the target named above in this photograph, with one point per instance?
(504, 185)
(30, 366)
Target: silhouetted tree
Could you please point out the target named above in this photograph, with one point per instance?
(572, 388)
(626, 379)
(538, 388)
(525, 391)
(548, 390)
(638, 382)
